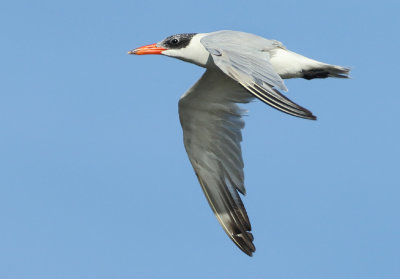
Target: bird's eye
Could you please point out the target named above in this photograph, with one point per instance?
(174, 41)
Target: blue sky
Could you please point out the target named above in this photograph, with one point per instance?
(94, 178)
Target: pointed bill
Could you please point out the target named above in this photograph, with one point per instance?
(148, 49)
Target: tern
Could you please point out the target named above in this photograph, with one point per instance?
(239, 67)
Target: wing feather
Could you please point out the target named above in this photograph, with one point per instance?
(245, 58)
(211, 122)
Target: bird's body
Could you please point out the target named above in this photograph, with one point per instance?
(240, 67)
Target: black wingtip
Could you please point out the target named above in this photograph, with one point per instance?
(312, 117)
(277, 100)
(245, 242)
(303, 113)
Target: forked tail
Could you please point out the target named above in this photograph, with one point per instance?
(325, 70)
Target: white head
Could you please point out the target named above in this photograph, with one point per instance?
(186, 47)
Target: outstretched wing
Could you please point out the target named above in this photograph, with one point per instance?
(245, 58)
(211, 122)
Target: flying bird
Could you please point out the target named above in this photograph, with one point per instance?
(239, 67)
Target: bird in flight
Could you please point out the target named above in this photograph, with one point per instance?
(239, 67)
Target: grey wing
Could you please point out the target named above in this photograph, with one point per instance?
(211, 122)
(245, 58)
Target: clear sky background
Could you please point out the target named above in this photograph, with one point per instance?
(94, 178)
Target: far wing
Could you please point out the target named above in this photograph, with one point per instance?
(211, 122)
(245, 58)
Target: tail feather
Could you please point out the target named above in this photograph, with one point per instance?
(324, 71)
(289, 64)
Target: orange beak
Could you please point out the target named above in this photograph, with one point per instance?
(149, 49)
